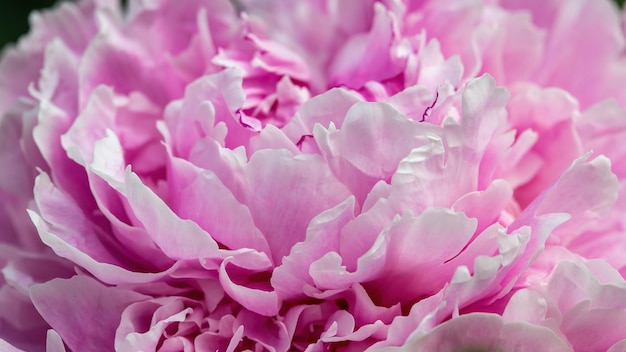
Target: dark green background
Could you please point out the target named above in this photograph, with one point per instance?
(14, 17)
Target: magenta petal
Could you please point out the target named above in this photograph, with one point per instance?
(73, 306)
(269, 333)
(60, 215)
(17, 179)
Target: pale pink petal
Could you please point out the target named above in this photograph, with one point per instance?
(417, 252)
(485, 206)
(314, 175)
(160, 221)
(170, 21)
(349, 151)
(7, 347)
(485, 332)
(380, 57)
(277, 59)
(200, 196)
(129, 335)
(272, 138)
(54, 121)
(227, 164)
(115, 61)
(584, 308)
(106, 177)
(54, 343)
(323, 233)
(602, 47)
(331, 106)
(278, 183)
(549, 112)
(22, 326)
(618, 346)
(599, 127)
(592, 189)
(516, 48)
(64, 228)
(258, 300)
(463, 40)
(526, 306)
(209, 100)
(434, 69)
(543, 12)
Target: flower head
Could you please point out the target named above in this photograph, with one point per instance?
(311, 175)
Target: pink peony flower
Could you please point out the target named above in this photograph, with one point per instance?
(581, 299)
(314, 175)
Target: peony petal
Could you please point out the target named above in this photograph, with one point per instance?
(71, 235)
(201, 197)
(73, 315)
(322, 236)
(331, 106)
(189, 241)
(7, 347)
(19, 178)
(602, 47)
(129, 337)
(417, 252)
(379, 59)
(265, 303)
(278, 182)
(479, 331)
(54, 343)
(349, 151)
(586, 203)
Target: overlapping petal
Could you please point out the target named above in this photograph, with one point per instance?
(314, 175)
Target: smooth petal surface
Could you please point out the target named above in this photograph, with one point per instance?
(485, 332)
(73, 314)
(278, 184)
